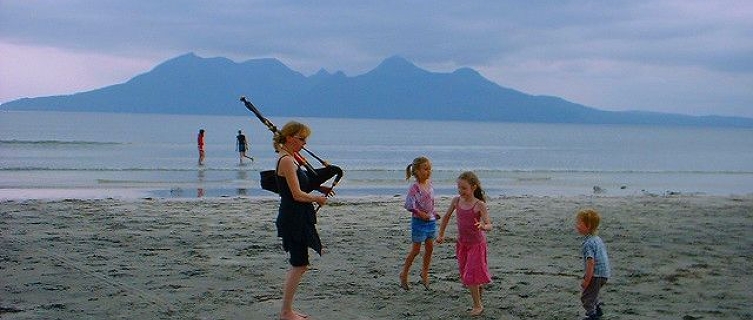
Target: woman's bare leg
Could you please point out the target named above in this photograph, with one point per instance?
(292, 279)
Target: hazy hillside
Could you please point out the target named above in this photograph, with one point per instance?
(396, 88)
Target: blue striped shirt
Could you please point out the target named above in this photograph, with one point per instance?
(593, 247)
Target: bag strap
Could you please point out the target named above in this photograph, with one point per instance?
(277, 166)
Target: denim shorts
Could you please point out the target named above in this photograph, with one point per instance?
(422, 230)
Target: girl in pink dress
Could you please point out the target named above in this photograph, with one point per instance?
(473, 221)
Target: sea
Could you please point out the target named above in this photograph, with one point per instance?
(54, 155)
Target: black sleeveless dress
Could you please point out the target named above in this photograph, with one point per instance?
(296, 221)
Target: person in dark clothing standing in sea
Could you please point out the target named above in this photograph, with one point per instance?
(296, 219)
(242, 146)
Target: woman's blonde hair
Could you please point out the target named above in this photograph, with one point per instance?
(288, 130)
(590, 218)
(473, 180)
(410, 170)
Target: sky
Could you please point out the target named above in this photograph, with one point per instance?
(677, 56)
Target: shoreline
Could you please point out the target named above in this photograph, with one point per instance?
(219, 258)
(198, 193)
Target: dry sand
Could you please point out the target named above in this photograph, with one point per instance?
(677, 257)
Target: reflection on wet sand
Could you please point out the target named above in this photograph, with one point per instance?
(242, 177)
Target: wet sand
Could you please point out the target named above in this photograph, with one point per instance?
(673, 257)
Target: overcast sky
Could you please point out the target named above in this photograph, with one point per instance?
(682, 56)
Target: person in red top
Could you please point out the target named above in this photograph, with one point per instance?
(200, 141)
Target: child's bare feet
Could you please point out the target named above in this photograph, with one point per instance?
(425, 280)
(477, 311)
(404, 281)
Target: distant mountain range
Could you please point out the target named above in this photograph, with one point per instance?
(395, 89)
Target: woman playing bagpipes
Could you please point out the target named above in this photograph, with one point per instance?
(294, 179)
(296, 219)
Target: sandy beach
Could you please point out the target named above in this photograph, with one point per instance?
(673, 257)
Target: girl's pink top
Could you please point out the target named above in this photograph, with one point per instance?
(468, 233)
(419, 199)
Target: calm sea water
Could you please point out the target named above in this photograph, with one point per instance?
(54, 154)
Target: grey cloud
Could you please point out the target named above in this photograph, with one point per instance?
(354, 36)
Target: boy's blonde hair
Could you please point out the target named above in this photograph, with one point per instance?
(590, 218)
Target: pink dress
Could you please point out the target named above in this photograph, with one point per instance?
(471, 248)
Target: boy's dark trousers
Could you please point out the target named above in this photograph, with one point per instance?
(590, 296)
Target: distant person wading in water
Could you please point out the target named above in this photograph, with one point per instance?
(200, 142)
(242, 147)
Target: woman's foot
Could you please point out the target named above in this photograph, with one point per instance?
(294, 315)
(477, 311)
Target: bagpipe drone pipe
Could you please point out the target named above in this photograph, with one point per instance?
(316, 176)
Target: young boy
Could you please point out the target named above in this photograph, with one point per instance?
(595, 261)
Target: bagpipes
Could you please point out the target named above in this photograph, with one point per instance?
(316, 177)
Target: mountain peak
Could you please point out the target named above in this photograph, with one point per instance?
(191, 60)
(188, 55)
(396, 60)
(396, 66)
(322, 72)
(466, 71)
(396, 63)
(264, 61)
(181, 59)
